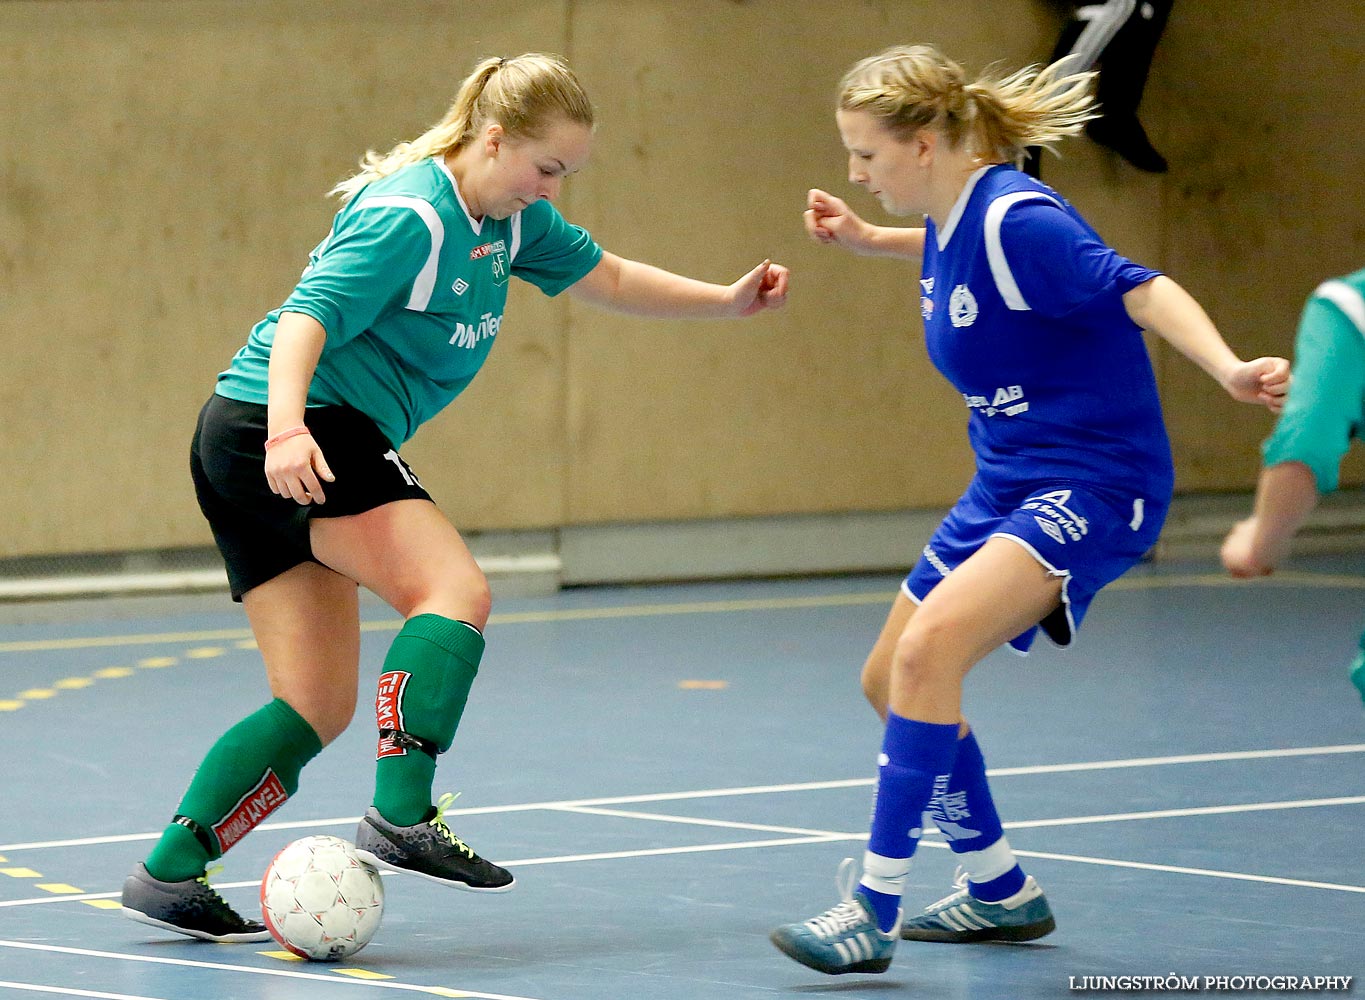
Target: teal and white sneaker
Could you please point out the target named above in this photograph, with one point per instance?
(959, 918)
(842, 939)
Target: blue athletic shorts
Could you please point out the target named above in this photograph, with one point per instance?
(1087, 537)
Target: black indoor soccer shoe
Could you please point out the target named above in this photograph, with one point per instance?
(428, 849)
(190, 907)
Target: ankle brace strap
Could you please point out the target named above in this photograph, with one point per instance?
(206, 839)
(409, 741)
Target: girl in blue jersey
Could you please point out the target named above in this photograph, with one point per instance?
(296, 468)
(1303, 455)
(1038, 324)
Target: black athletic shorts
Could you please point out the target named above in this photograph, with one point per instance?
(261, 534)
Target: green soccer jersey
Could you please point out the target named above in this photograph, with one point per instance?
(1326, 405)
(411, 290)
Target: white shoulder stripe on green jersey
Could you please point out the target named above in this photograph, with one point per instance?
(425, 282)
(516, 238)
(1345, 298)
(995, 251)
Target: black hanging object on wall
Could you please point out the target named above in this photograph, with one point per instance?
(1120, 37)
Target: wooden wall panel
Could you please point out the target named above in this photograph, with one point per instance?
(162, 177)
(1261, 119)
(716, 119)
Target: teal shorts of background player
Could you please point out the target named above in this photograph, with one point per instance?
(1358, 669)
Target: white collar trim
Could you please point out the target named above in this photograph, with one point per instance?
(474, 224)
(946, 233)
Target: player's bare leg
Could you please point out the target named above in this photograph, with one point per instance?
(412, 557)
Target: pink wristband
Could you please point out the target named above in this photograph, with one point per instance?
(285, 436)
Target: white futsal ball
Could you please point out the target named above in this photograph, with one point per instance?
(320, 900)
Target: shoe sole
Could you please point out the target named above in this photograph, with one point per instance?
(244, 937)
(377, 862)
(870, 967)
(1015, 935)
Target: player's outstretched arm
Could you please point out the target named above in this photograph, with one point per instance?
(830, 221)
(1162, 306)
(629, 286)
(1286, 494)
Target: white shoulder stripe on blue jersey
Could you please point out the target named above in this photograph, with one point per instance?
(995, 252)
(1345, 298)
(425, 283)
(516, 238)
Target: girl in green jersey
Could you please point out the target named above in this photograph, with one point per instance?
(297, 469)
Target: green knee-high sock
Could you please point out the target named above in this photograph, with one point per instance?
(246, 776)
(422, 692)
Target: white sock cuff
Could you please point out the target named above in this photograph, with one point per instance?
(989, 862)
(885, 875)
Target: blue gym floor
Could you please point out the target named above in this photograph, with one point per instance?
(671, 771)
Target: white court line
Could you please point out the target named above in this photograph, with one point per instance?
(1191, 758)
(812, 836)
(66, 991)
(833, 836)
(336, 980)
(804, 836)
(709, 793)
(652, 852)
(1178, 870)
(816, 837)
(1029, 824)
(830, 836)
(697, 821)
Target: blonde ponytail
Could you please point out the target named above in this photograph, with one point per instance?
(1031, 107)
(911, 87)
(525, 95)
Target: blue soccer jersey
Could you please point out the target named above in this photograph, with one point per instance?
(1023, 314)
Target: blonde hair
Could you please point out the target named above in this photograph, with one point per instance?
(525, 95)
(910, 87)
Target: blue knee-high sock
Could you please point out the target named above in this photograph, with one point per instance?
(916, 758)
(965, 813)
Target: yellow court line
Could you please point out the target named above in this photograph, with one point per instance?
(507, 618)
(276, 973)
(1316, 580)
(100, 642)
(1289, 579)
(690, 608)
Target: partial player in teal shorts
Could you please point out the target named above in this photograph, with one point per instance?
(1325, 411)
(296, 468)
